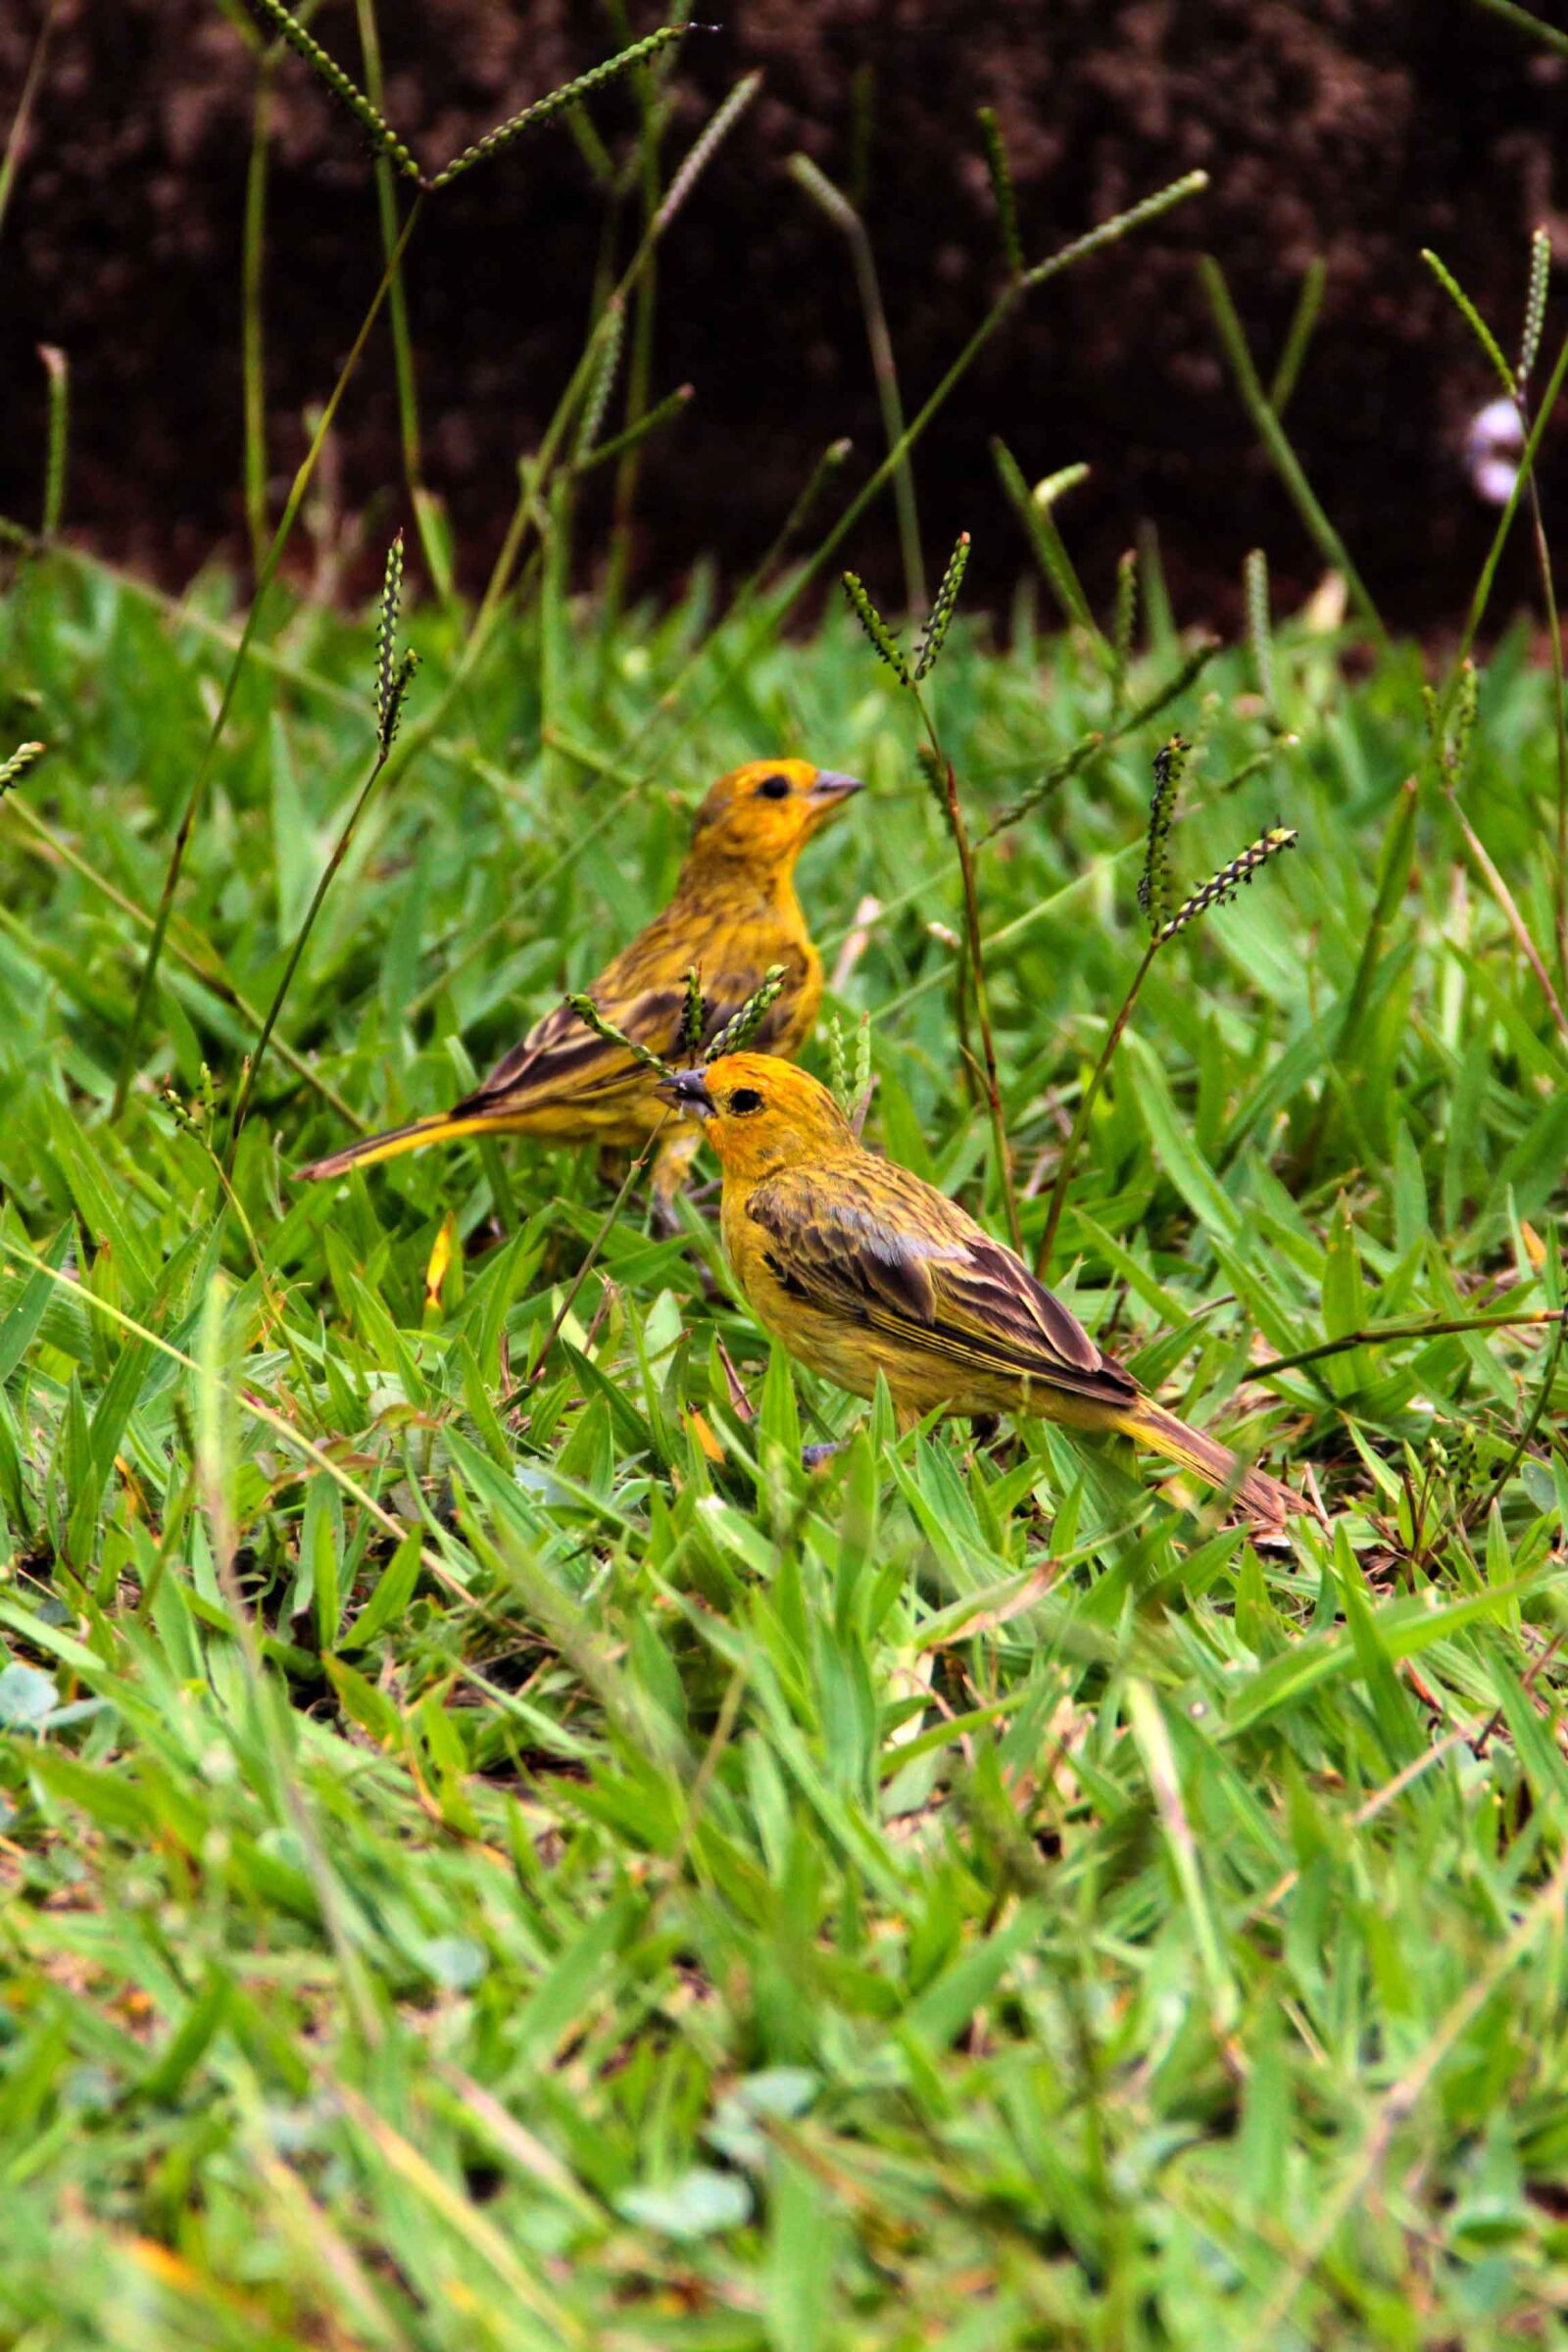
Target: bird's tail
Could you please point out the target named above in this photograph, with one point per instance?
(444, 1128)
(1151, 1425)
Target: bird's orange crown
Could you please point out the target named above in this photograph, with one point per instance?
(762, 815)
(761, 1114)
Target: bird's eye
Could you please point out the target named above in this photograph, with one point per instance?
(773, 788)
(742, 1099)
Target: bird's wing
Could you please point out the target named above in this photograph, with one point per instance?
(644, 993)
(875, 1243)
(562, 1057)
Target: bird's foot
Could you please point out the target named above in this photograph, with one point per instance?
(1270, 1537)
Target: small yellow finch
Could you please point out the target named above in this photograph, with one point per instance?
(734, 914)
(860, 1266)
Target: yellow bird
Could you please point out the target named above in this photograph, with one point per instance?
(860, 1266)
(734, 914)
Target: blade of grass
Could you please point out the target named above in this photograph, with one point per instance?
(217, 1466)
(1543, 1914)
(278, 1423)
(1298, 335)
(1487, 867)
(58, 371)
(590, 1260)
(1551, 36)
(206, 972)
(393, 674)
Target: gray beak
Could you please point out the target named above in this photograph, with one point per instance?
(687, 1091)
(831, 786)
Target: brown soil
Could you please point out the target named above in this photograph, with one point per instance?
(1358, 129)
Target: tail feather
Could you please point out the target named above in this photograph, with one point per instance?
(1163, 1433)
(444, 1128)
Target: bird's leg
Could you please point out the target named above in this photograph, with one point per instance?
(671, 1163)
(987, 1436)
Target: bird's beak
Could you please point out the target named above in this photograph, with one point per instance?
(687, 1091)
(830, 788)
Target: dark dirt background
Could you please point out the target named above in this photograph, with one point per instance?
(1358, 129)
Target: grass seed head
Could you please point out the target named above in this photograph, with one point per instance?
(603, 381)
(940, 619)
(708, 139)
(1154, 888)
(588, 1012)
(936, 778)
(692, 1014)
(387, 665)
(1002, 189)
(12, 770)
(1221, 888)
(274, 17)
(1458, 755)
(875, 627)
(1534, 309)
(1126, 621)
(571, 94)
(737, 1034)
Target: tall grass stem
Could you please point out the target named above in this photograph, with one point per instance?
(1298, 335)
(1551, 36)
(1482, 597)
(884, 366)
(1091, 1096)
(198, 791)
(253, 323)
(16, 146)
(1487, 867)
(1330, 546)
(57, 368)
(431, 546)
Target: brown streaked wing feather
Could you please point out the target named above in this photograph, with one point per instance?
(562, 1055)
(882, 1246)
(830, 1249)
(989, 1289)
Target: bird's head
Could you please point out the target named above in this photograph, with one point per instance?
(762, 815)
(761, 1114)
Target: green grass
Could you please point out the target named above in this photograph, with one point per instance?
(552, 1874)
